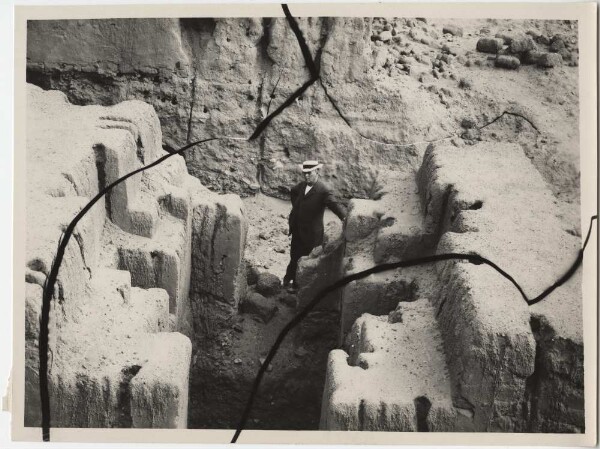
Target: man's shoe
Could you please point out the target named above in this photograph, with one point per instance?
(286, 282)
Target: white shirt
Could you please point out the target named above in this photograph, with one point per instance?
(307, 189)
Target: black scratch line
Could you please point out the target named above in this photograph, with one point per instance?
(473, 258)
(310, 63)
(50, 282)
(570, 272)
(262, 125)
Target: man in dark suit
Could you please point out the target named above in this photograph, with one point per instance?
(309, 200)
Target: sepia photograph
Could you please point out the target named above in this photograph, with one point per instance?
(302, 222)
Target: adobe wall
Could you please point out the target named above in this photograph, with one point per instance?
(486, 360)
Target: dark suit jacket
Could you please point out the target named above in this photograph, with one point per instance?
(306, 218)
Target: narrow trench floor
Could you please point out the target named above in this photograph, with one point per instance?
(289, 398)
(225, 365)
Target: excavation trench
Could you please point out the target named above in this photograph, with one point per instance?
(232, 328)
(231, 341)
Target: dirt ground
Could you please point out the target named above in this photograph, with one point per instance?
(268, 243)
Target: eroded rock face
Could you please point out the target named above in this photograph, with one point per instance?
(221, 77)
(253, 66)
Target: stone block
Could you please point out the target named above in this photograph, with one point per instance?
(268, 284)
(507, 62)
(316, 273)
(257, 304)
(522, 44)
(388, 381)
(489, 45)
(557, 44)
(176, 202)
(139, 262)
(506, 37)
(377, 294)
(363, 219)
(549, 60)
(531, 57)
(486, 344)
(490, 345)
(398, 242)
(385, 36)
(454, 30)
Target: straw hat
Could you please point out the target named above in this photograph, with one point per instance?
(308, 166)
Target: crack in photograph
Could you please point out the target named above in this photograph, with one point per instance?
(317, 148)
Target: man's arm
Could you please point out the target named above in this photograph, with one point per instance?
(334, 205)
(294, 194)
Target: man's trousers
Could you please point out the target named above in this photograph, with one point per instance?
(297, 251)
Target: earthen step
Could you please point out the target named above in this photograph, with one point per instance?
(103, 332)
(155, 262)
(134, 203)
(116, 307)
(378, 231)
(143, 214)
(377, 294)
(163, 259)
(117, 156)
(96, 380)
(394, 376)
(401, 235)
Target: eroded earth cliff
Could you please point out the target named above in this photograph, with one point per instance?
(393, 81)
